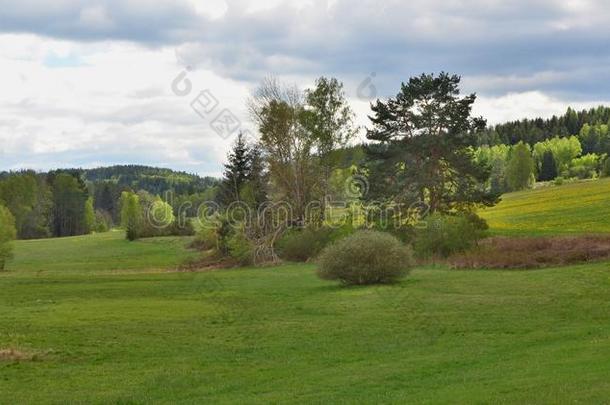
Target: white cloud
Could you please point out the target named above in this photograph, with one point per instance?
(119, 106)
(532, 104)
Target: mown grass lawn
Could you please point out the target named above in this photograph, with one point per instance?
(576, 208)
(98, 253)
(282, 335)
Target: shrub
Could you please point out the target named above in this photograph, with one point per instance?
(300, 245)
(102, 221)
(205, 239)
(240, 247)
(145, 216)
(366, 257)
(530, 253)
(449, 234)
(181, 228)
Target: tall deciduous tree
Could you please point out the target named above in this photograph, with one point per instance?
(286, 144)
(27, 195)
(299, 133)
(7, 234)
(564, 151)
(329, 119)
(89, 215)
(520, 170)
(424, 137)
(131, 215)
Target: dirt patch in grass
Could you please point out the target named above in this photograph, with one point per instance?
(533, 253)
(12, 354)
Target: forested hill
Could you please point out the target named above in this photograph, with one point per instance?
(152, 179)
(72, 202)
(155, 180)
(536, 130)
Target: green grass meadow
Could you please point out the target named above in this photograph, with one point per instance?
(575, 208)
(111, 322)
(98, 253)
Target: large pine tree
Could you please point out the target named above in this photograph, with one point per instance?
(423, 151)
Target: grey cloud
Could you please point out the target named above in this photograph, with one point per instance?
(476, 38)
(155, 22)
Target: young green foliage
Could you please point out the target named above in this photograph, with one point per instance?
(7, 234)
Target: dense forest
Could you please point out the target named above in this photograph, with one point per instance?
(572, 146)
(75, 202)
(535, 130)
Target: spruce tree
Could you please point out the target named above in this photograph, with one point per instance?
(237, 171)
(245, 178)
(548, 168)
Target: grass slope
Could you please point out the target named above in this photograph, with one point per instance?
(98, 253)
(282, 335)
(576, 208)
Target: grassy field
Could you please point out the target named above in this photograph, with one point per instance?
(569, 209)
(108, 327)
(98, 253)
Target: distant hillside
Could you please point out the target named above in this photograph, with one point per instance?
(152, 179)
(575, 208)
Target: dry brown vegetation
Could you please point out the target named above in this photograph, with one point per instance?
(207, 261)
(531, 253)
(12, 354)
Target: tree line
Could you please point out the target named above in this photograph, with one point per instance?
(519, 166)
(536, 130)
(75, 202)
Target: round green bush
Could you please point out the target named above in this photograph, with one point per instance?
(366, 257)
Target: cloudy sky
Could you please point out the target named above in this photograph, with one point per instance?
(164, 82)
